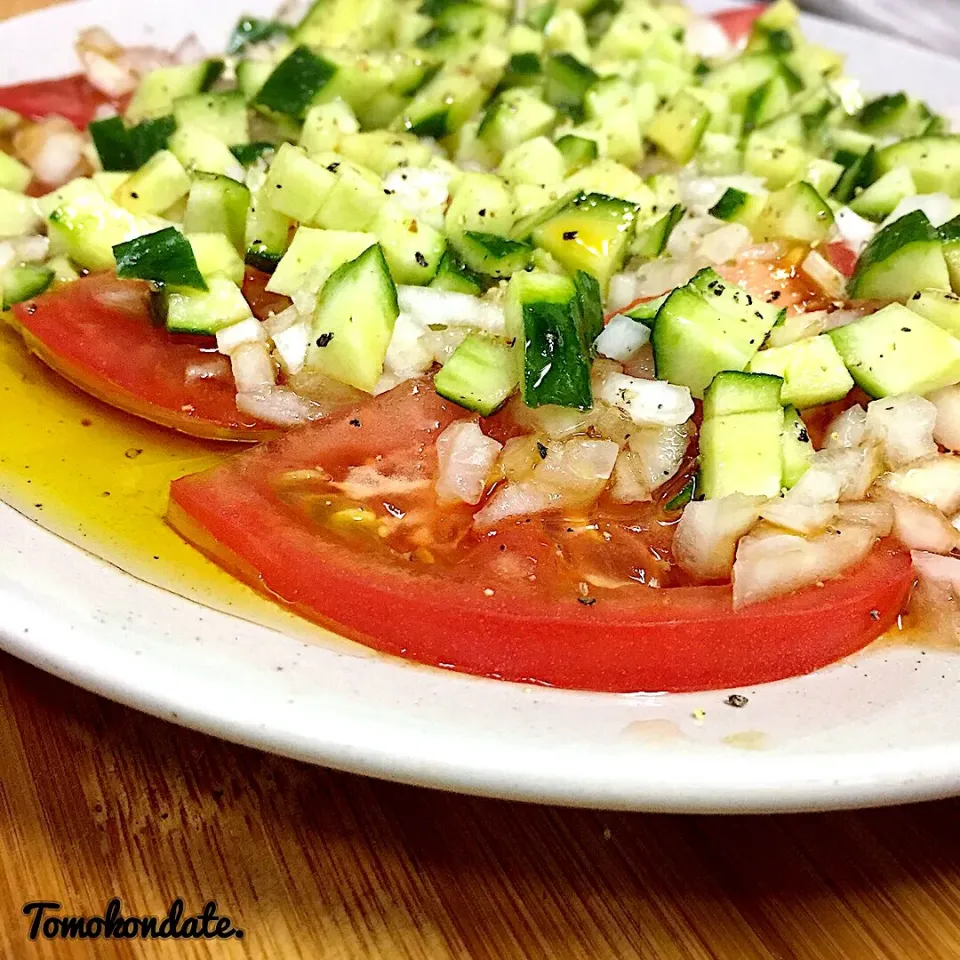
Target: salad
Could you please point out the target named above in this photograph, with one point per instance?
(592, 344)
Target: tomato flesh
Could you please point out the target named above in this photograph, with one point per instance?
(738, 23)
(73, 98)
(98, 333)
(338, 520)
(262, 302)
(843, 257)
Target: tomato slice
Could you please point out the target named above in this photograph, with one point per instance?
(315, 519)
(738, 23)
(73, 98)
(98, 333)
(843, 257)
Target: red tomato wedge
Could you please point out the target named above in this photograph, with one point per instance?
(73, 98)
(738, 23)
(338, 520)
(98, 333)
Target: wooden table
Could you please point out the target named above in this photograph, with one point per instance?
(98, 801)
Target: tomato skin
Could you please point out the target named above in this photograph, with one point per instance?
(73, 98)
(98, 333)
(649, 639)
(261, 301)
(738, 22)
(843, 257)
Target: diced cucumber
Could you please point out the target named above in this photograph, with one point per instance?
(250, 30)
(295, 84)
(481, 375)
(577, 152)
(897, 351)
(739, 78)
(938, 307)
(894, 115)
(647, 311)
(252, 75)
(353, 201)
(313, 256)
(19, 214)
(798, 451)
(934, 162)
(462, 26)
(591, 232)
(880, 199)
(651, 240)
(902, 257)
(218, 204)
(296, 186)
(149, 137)
(492, 255)
(413, 249)
(112, 140)
(444, 105)
(206, 312)
(777, 161)
(216, 256)
(514, 117)
(567, 81)
(14, 175)
(200, 151)
(734, 301)
(543, 318)
(697, 336)
(164, 257)
(766, 103)
(524, 69)
(354, 321)
(481, 203)
(741, 453)
(719, 154)
(267, 233)
(222, 114)
(796, 212)
(612, 179)
(385, 150)
(679, 126)
(64, 272)
(950, 243)
(351, 24)
(155, 187)
(823, 175)
(326, 125)
(738, 206)
(735, 392)
(813, 372)
(109, 182)
(536, 161)
(159, 89)
(23, 282)
(856, 176)
(456, 276)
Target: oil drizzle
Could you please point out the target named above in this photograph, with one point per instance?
(99, 479)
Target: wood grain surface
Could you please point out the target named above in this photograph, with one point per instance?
(98, 801)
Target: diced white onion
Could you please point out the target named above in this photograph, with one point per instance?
(652, 457)
(8, 254)
(515, 500)
(253, 367)
(466, 458)
(662, 275)
(290, 346)
(853, 229)
(236, 335)
(918, 525)
(935, 480)
(840, 318)
(932, 566)
(622, 338)
(873, 513)
(726, 243)
(407, 354)
(420, 191)
(903, 426)
(653, 402)
(699, 194)
(58, 157)
(763, 252)
(429, 307)
(189, 50)
(706, 38)
(108, 77)
(622, 290)
(278, 405)
(947, 429)
(798, 516)
(31, 249)
(937, 206)
(144, 60)
(580, 466)
(825, 275)
(707, 534)
(687, 237)
(771, 564)
(847, 430)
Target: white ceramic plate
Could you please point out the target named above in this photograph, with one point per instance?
(883, 727)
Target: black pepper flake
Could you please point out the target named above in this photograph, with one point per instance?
(355, 423)
(134, 196)
(542, 450)
(389, 193)
(333, 167)
(916, 296)
(324, 339)
(482, 211)
(905, 329)
(587, 601)
(803, 436)
(874, 614)
(737, 700)
(775, 296)
(420, 258)
(133, 453)
(570, 235)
